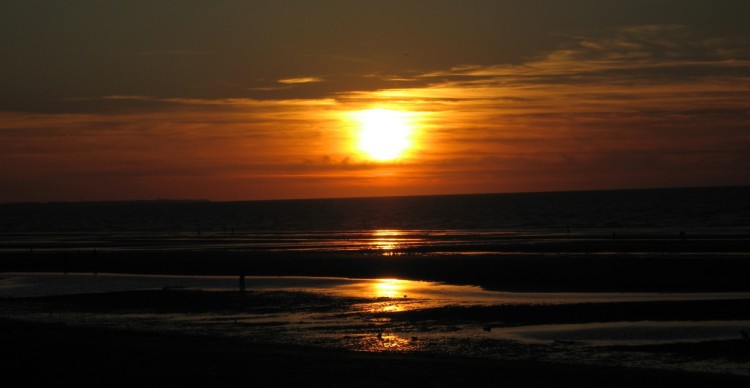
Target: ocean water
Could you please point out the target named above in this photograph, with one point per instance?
(455, 223)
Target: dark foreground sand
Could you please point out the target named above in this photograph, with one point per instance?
(74, 356)
(85, 356)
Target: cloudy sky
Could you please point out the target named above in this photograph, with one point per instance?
(233, 100)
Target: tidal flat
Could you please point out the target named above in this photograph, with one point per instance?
(674, 334)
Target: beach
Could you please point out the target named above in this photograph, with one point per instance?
(119, 351)
(520, 290)
(117, 358)
(186, 336)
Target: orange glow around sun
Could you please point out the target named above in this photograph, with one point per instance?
(384, 134)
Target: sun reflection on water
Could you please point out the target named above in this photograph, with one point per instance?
(389, 296)
(386, 240)
(389, 288)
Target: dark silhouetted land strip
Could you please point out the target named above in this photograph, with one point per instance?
(40, 352)
(564, 271)
(201, 302)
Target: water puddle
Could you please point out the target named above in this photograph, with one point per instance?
(367, 315)
(625, 333)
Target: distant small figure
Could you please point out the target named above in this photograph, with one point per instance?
(487, 328)
(682, 235)
(744, 335)
(614, 236)
(380, 335)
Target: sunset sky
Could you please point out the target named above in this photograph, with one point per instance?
(234, 100)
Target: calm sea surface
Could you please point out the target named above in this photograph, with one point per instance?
(457, 223)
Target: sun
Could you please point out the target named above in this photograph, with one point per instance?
(384, 134)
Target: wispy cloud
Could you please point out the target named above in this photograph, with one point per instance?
(659, 101)
(300, 80)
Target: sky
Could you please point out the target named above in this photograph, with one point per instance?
(243, 100)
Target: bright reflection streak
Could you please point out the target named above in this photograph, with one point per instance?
(386, 240)
(387, 232)
(389, 288)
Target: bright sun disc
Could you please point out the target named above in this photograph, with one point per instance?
(383, 134)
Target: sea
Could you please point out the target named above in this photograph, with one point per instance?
(477, 223)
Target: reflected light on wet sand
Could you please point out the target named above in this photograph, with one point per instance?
(389, 288)
(386, 240)
(425, 293)
(384, 342)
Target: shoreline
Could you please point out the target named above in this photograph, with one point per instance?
(541, 272)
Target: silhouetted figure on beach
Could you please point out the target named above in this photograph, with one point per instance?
(682, 235)
(744, 334)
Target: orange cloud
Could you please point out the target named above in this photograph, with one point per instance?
(300, 80)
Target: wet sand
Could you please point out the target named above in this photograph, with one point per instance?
(106, 357)
(121, 353)
(90, 355)
(594, 271)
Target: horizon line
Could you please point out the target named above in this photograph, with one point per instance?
(205, 200)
